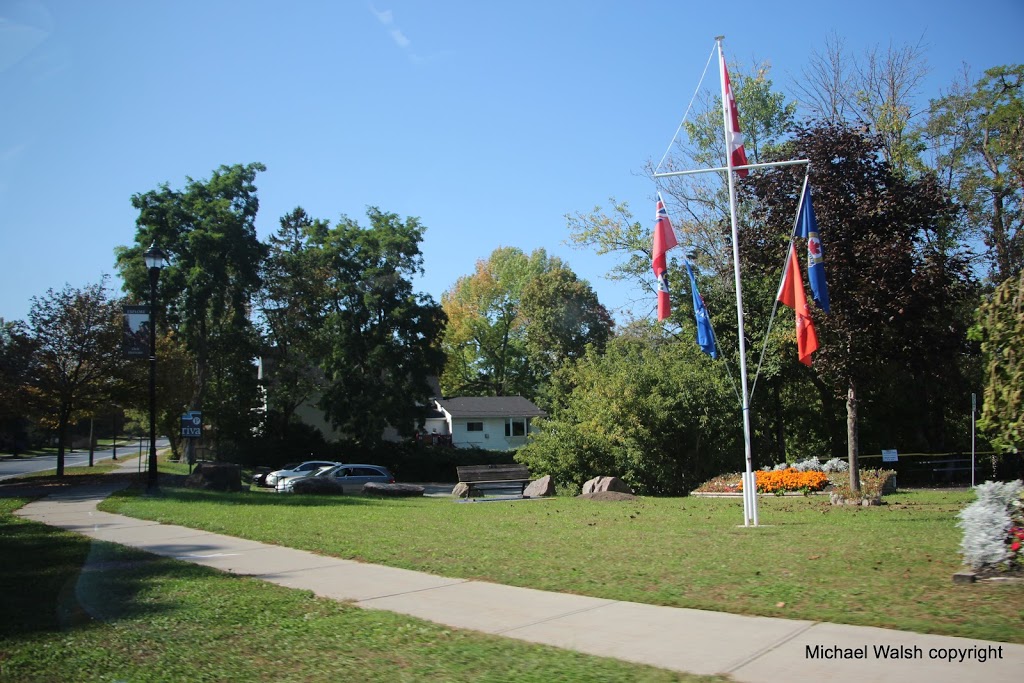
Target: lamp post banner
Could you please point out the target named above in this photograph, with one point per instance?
(135, 343)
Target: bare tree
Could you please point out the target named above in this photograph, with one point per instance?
(826, 91)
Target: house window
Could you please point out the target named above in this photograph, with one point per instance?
(517, 426)
(474, 426)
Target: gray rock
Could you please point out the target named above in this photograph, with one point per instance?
(461, 490)
(540, 488)
(215, 476)
(373, 488)
(601, 484)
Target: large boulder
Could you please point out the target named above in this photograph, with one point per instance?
(540, 488)
(602, 484)
(374, 488)
(215, 476)
(326, 486)
(460, 490)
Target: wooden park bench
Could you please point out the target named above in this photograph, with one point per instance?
(482, 477)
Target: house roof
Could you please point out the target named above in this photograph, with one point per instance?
(490, 406)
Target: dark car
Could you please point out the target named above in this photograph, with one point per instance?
(259, 477)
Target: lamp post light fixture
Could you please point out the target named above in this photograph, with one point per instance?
(156, 259)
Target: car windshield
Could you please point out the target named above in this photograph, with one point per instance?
(290, 466)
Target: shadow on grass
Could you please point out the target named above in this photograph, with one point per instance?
(54, 580)
(261, 499)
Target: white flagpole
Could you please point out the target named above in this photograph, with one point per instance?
(750, 516)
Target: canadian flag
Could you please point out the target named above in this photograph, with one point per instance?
(733, 136)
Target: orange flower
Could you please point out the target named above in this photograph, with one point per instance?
(789, 480)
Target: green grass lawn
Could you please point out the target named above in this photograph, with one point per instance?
(888, 566)
(79, 610)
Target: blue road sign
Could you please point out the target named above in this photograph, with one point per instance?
(192, 424)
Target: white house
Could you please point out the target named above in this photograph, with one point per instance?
(497, 423)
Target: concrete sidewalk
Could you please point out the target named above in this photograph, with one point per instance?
(754, 649)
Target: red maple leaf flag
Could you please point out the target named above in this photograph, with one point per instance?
(733, 136)
(664, 239)
(792, 294)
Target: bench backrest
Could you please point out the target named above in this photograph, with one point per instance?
(471, 473)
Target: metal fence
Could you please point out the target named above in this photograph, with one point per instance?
(949, 469)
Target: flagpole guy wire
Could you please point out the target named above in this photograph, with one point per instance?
(750, 514)
(687, 112)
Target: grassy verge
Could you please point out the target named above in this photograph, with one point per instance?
(74, 609)
(887, 566)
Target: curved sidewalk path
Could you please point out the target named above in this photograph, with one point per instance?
(752, 649)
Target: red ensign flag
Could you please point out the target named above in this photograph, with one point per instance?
(664, 239)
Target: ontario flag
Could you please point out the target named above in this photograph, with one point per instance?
(792, 294)
(733, 136)
(807, 227)
(664, 239)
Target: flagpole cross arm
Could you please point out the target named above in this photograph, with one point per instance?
(767, 164)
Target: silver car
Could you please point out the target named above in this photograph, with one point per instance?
(300, 470)
(350, 477)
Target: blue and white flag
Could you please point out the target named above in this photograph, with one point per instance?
(705, 335)
(807, 227)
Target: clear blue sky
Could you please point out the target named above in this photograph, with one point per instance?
(490, 121)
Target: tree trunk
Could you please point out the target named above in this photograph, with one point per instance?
(92, 447)
(62, 433)
(852, 444)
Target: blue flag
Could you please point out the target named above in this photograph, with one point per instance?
(705, 335)
(807, 227)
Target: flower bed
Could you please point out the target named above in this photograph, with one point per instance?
(874, 483)
(790, 479)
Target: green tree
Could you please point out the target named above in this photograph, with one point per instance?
(485, 341)
(878, 281)
(1001, 323)
(292, 301)
(205, 294)
(657, 413)
(174, 384)
(381, 338)
(699, 204)
(562, 317)
(17, 350)
(975, 135)
(77, 338)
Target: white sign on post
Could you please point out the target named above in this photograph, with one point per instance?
(890, 455)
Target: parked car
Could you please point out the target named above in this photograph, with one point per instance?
(259, 476)
(350, 477)
(292, 469)
(300, 475)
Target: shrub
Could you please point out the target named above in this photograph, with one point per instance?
(993, 527)
(810, 465)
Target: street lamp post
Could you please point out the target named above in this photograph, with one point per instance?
(155, 260)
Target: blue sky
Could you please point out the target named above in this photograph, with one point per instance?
(489, 121)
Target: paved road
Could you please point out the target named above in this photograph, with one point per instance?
(13, 467)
